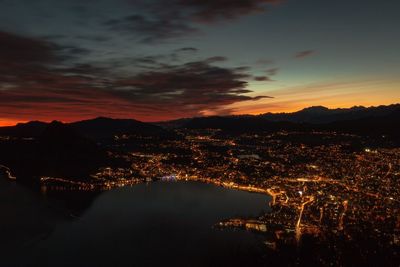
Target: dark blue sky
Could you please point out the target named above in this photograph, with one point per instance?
(156, 59)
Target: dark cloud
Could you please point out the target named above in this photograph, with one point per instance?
(160, 20)
(75, 51)
(243, 68)
(27, 61)
(21, 50)
(262, 79)
(304, 54)
(152, 29)
(216, 59)
(213, 10)
(272, 71)
(37, 78)
(187, 49)
(192, 87)
(152, 60)
(94, 38)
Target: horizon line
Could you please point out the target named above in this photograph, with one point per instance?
(16, 122)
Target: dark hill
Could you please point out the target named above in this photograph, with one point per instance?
(373, 126)
(29, 129)
(238, 124)
(59, 151)
(380, 121)
(95, 129)
(101, 128)
(311, 115)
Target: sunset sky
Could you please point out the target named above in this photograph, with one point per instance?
(155, 60)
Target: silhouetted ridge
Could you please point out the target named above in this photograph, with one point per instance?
(315, 109)
(29, 129)
(62, 136)
(106, 127)
(379, 121)
(238, 124)
(321, 115)
(372, 125)
(59, 152)
(64, 151)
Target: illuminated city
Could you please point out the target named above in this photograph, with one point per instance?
(322, 184)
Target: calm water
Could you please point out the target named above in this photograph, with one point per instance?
(148, 224)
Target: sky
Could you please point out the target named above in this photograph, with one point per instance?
(156, 60)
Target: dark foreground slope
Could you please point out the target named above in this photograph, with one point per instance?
(74, 150)
(95, 129)
(58, 151)
(104, 128)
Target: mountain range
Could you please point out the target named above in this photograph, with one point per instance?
(321, 115)
(76, 149)
(98, 128)
(310, 115)
(361, 120)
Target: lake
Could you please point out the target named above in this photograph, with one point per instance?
(159, 223)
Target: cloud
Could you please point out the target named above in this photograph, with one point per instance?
(304, 54)
(243, 68)
(29, 62)
(94, 38)
(38, 81)
(272, 72)
(216, 59)
(76, 51)
(191, 87)
(21, 50)
(212, 10)
(153, 29)
(156, 20)
(187, 49)
(262, 79)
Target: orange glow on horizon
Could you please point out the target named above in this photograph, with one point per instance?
(331, 95)
(345, 94)
(295, 108)
(244, 111)
(9, 122)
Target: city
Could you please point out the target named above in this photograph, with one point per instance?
(339, 188)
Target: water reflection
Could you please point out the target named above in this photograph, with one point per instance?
(154, 224)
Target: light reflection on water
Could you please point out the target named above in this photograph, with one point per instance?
(154, 224)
